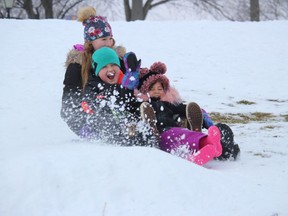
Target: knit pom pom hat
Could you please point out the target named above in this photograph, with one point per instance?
(94, 26)
(103, 57)
(149, 77)
(85, 12)
(155, 74)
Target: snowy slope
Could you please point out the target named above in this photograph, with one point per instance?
(46, 170)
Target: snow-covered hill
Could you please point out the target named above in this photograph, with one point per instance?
(46, 170)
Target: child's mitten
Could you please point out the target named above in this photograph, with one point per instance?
(79, 47)
(132, 66)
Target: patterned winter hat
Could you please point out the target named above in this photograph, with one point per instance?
(103, 57)
(150, 77)
(96, 27)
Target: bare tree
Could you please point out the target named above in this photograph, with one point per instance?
(43, 9)
(216, 8)
(219, 9)
(240, 10)
(32, 10)
(48, 8)
(138, 11)
(63, 7)
(274, 10)
(245, 10)
(254, 10)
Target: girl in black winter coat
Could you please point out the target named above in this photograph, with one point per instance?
(155, 88)
(194, 146)
(110, 107)
(79, 77)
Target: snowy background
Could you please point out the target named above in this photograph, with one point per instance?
(45, 170)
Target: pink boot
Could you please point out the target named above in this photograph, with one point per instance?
(204, 155)
(214, 138)
(210, 147)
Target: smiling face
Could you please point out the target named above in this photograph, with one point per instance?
(102, 42)
(110, 73)
(156, 90)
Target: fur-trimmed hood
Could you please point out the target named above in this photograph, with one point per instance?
(76, 53)
(172, 96)
(74, 56)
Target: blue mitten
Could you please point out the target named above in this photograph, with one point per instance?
(132, 66)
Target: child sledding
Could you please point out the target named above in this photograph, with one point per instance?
(190, 144)
(108, 96)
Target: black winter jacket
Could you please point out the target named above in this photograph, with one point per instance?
(166, 113)
(117, 98)
(71, 110)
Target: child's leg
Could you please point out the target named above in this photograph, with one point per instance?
(230, 150)
(213, 138)
(204, 155)
(177, 140)
(207, 121)
(194, 146)
(148, 115)
(194, 116)
(210, 147)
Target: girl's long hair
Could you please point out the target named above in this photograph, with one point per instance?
(86, 63)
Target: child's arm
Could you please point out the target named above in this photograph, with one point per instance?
(132, 65)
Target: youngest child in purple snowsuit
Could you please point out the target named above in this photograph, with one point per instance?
(191, 145)
(194, 146)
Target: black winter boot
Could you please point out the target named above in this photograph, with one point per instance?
(230, 150)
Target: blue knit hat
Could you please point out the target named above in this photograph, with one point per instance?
(96, 27)
(103, 57)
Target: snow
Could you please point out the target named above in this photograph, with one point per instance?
(47, 170)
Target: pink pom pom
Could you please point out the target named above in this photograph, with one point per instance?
(158, 67)
(143, 71)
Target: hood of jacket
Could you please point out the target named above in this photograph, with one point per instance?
(172, 96)
(76, 53)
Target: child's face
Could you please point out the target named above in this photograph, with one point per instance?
(157, 90)
(101, 42)
(110, 74)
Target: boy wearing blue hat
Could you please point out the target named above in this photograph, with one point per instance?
(112, 106)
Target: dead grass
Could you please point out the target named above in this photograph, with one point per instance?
(285, 117)
(277, 100)
(244, 118)
(270, 127)
(245, 102)
(241, 118)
